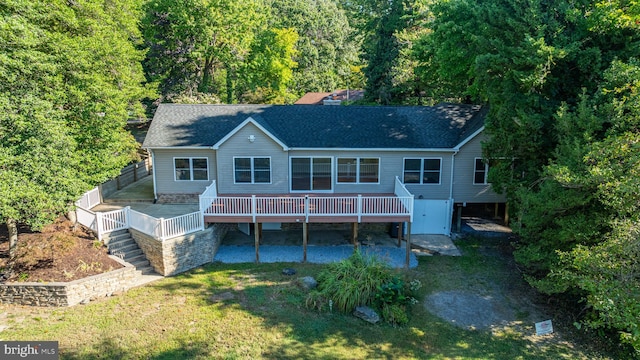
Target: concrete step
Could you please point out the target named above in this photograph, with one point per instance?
(147, 270)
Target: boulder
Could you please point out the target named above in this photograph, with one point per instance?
(288, 271)
(308, 282)
(367, 314)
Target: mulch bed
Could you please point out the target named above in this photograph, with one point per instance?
(58, 253)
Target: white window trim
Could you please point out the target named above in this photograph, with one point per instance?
(358, 158)
(252, 170)
(190, 158)
(311, 190)
(422, 159)
(486, 172)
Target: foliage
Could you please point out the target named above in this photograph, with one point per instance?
(354, 281)
(191, 45)
(394, 297)
(561, 83)
(270, 65)
(364, 279)
(387, 29)
(326, 50)
(70, 77)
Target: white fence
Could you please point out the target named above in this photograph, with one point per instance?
(89, 199)
(106, 222)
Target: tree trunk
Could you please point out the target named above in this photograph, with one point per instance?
(12, 225)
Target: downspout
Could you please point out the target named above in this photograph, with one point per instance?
(153, 170)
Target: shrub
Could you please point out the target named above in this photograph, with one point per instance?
(351, 282)
(364, 279)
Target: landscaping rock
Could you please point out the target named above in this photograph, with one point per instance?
(308, 282)
(288, 271)
(367, 314)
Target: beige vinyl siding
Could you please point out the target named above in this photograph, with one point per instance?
(391, 165)
(263, 145)
(165, 172)
(464, 190)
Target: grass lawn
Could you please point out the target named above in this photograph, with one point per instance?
(266, 317)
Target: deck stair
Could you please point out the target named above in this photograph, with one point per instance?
(121, 244)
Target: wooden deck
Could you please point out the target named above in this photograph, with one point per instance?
(309, 208)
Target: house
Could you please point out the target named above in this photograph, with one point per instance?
(330, 98)
(274, 164)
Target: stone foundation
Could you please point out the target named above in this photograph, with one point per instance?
(178, 198)
(181, 253)
(70, 293)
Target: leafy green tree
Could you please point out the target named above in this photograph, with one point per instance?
(326, 49)
(270, 66)
(199, 45)
(561, 83)
(70, 77)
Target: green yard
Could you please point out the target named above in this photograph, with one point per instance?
(264, 316)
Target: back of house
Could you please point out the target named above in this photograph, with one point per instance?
(294, 163)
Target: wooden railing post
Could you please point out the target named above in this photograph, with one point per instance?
(306, 208)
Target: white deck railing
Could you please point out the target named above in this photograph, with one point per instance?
(207, 196)
(406, 197)
(106, 222)
(253, 206)
(309, 206)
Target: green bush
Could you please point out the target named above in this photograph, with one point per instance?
(364, 279)
(351, 282)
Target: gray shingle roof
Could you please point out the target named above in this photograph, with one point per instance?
(299, 126)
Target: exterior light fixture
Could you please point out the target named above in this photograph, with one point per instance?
(252, 138)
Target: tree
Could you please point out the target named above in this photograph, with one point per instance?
(561, 83)
(199, 45)
(270, 66)
(326, 49)
(69, 79)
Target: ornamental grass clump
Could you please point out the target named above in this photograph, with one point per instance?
(351, 282)
(364, 279)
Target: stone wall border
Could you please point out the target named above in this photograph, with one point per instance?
(70, 293)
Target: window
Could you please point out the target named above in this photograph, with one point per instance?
(480, 171)
(422, 171)
(358, 170)
(252, 170)
(310, 174)
(188, 169)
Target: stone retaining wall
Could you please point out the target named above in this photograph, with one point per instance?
(181, 253)
(70, 293)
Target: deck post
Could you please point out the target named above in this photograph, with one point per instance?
(506, 214)
(305, 239)
(400, 230)
(257, 242)
(354, 234)
(459, 219)
(408, 258)
(260, 232)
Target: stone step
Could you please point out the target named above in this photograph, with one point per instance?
(123, 247)
(116, 238)
(140, 263)
(132, 259)
(133, 253)
(147, 270)
(121, 242)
